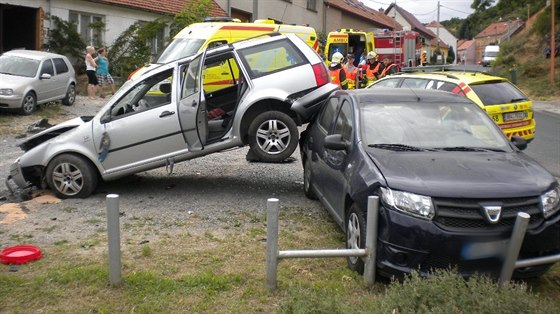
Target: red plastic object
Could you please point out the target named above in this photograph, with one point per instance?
(20, 254)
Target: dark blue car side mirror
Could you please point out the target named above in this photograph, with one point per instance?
(519, 142)
(335, 142)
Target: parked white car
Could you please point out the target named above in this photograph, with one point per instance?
(29, 78)
(179, 111)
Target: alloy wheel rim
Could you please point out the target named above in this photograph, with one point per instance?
(28, 104)
(71, 95)
(68, 179)
(353, 235)
(273, 137)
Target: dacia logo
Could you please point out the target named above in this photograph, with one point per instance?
(493, 213)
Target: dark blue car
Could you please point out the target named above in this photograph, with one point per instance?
(450, 183)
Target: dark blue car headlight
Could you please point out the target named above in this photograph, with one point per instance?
(409, 203)
(550, 201)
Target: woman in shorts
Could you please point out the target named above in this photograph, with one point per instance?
(91, 67)
(103, 76)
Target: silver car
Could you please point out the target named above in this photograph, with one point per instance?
(226, 97)
(29, 78)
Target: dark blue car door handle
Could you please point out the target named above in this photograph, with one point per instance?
(166, 113)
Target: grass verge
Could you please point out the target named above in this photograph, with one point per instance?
(224, 271)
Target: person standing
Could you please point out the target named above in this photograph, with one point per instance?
(423, 58)
(91, 67)
(372, 68)
(390, 67)
(351, 71)
(338, 76)
(103, 76)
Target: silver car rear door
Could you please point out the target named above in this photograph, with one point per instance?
(191, 106)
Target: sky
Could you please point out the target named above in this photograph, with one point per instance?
(426, 10)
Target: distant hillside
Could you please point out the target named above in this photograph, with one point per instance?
(485, 14)
(525, 52)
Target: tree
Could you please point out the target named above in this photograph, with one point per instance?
(450, 55)
(481, 5)
(194, 12)
(64, 39)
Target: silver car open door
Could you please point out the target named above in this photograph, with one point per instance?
(192, 104)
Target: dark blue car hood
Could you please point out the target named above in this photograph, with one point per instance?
(462, 174)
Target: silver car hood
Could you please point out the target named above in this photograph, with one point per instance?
(14, 81)
(52, 132)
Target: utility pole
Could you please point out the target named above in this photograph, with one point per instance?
(552, 44)
(437, 33)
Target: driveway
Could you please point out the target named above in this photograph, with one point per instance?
(218, 191)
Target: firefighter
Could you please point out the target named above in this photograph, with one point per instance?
(372, 68)
(423, 59)
(390, 67)
(351, 71)
(338, 75)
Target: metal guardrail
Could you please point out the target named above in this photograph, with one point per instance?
(511, 261)
(273, 255)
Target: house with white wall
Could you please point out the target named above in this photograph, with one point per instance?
(26, 23)
(444, 36)
(325, 16)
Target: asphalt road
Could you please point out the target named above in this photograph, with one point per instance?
(545, 148)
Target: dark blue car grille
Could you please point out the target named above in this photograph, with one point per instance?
(467, 215)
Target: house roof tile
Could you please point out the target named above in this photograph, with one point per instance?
(499, 28)
(357, 8)
(170, 7)
(465, 44)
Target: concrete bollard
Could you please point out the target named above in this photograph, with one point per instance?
(114, 242)
(514, 246)
(271, 243)
(371, 240)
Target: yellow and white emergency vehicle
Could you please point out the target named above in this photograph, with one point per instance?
(219, 31)
(348, 41)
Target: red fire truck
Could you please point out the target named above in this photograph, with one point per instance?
(403, 47)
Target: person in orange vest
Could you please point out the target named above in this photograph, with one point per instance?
(351, 71)
(372, 68)
(390, 67)
(338, 76)
(423, 59)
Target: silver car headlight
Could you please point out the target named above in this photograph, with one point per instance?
(409, 203)
(550, 201)
(6, 91)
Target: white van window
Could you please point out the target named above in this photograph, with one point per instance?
(180, 48)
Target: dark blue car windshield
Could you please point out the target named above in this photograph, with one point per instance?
(430, 125)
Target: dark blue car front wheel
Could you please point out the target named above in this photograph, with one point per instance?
(355, 236)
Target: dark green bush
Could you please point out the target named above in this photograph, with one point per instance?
(64, 39)
(447, 292)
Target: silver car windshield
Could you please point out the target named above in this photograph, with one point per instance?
(430, 125)
(180, 48)
(18, 66)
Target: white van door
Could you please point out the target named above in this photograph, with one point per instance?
(191, 106)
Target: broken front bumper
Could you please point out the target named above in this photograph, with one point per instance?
(16, 176)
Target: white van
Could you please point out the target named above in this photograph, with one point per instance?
(489, 55)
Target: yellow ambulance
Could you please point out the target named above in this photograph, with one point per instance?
(348, 41)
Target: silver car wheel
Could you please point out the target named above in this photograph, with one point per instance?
(273, 136)
(353, 235)
(70, 96)
(68, 179)
(29, 104)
